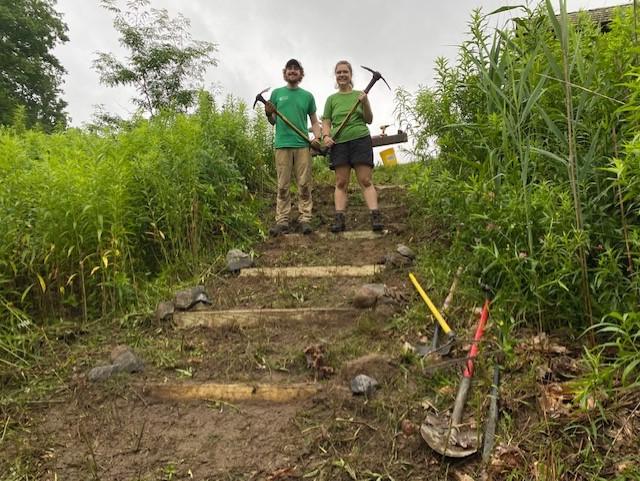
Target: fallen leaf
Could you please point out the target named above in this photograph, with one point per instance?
(408, 347)
(408, 428)
(506, 458)
(459, 476)
(283, 473)
(555, 399)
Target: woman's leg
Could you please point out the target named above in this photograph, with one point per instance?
(364, 174)
(343, 172)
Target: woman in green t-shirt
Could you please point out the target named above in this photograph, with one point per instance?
(350, 145)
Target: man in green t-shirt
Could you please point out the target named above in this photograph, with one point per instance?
(292, 151)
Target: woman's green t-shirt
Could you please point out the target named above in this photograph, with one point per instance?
(336, 109)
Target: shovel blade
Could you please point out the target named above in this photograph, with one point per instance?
(450, 441)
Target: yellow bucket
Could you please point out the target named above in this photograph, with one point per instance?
(389, 157)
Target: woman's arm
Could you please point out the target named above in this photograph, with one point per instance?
(366, 107)
(326, 132)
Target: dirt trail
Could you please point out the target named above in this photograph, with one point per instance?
(120, 431)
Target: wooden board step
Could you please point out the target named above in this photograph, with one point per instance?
(314, 271)
(348, 235)
(252, 317)
(233, 392)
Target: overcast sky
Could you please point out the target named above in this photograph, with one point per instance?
(400, 39)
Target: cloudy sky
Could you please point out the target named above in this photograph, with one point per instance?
(401, 39)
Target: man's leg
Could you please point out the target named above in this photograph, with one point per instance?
(284, 163)
(302, 166)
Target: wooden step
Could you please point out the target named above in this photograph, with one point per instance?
(252, 317)
(314, 271)
(211, 391)
(348, 235)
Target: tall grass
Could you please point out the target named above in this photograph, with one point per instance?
(90, 218)
(527, 123)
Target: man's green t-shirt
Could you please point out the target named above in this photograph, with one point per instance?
(296, 105)
(336, 109)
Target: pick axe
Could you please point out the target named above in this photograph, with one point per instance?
(376, 76)
(260, 98)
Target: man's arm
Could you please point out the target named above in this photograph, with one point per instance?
(270, 112)
(315, 126)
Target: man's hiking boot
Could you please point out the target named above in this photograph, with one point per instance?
(278, 229)
(376, 221)
(305, 228)
(338, 224)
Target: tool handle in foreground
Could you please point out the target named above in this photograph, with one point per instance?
(473, 352)
(461, 400)
(492, 418)
(443, 324)
(293, 127)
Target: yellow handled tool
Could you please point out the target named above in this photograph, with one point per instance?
(443, 324)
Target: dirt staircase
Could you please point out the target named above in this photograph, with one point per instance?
(262, 391)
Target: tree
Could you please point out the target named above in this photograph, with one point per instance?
(30, 76)
(164, 63)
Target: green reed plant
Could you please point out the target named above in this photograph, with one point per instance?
(91, 218)
(524, 124)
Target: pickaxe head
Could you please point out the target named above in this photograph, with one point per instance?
(376, 76)
(260, 98)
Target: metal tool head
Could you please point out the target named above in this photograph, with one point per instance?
(435, 348)
(448, 440)
(376, 75)
(260, 98)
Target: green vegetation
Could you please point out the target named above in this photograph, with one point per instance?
(163, 62)
(538, 168)
(92, 221)
(528, 146)
(30, 76)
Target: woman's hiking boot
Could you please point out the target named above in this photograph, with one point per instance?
(376, 221)
(338, 223)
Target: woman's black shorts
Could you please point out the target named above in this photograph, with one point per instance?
(352, 153)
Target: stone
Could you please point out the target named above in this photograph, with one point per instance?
(187, 298)
(164, 311)
(124, 359)
(368, 295)
(363, 384)
(395, 259)
(101, 373)
(405, 251)
(238, 260)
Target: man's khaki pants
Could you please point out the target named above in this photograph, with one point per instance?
(298, 162)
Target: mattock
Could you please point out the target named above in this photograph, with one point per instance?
(260, 98)
(376, 76)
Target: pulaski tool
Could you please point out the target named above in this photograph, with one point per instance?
(376, 76)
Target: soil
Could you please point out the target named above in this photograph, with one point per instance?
(115, 431)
